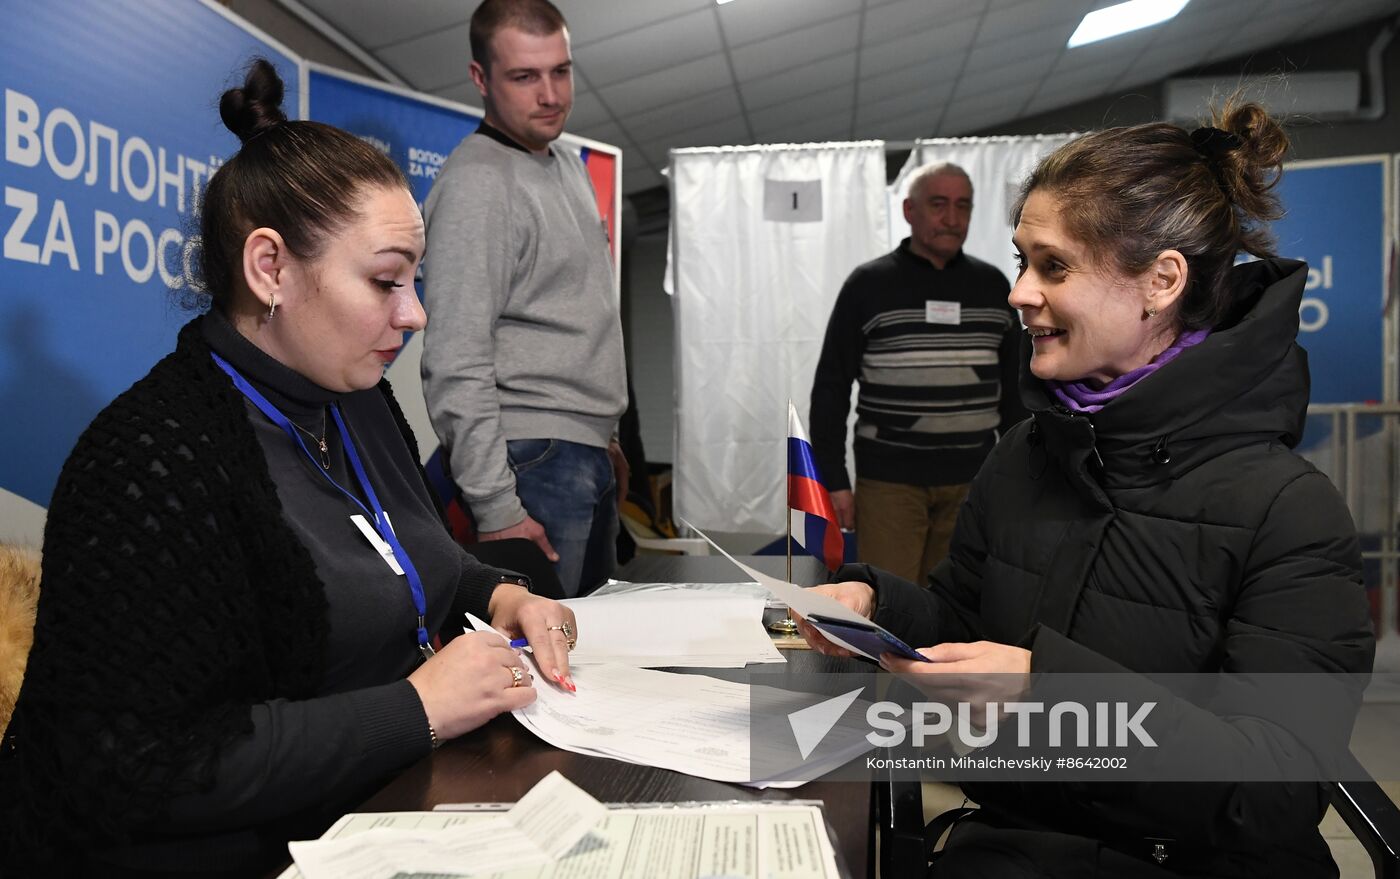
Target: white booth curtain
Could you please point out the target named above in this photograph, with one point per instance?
(761, 240)
(997, 166)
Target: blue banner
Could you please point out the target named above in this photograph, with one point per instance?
(1336, 222)
(416, 133)
(111, 131)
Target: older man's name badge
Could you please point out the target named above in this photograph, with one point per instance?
(380, 545)
(937, 311)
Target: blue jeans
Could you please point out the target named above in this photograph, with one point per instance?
(569, 488)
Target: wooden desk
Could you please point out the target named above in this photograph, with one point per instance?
(500, 761)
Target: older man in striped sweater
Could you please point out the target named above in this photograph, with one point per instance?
(929, 334)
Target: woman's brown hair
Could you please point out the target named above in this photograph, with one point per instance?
(1131, 193)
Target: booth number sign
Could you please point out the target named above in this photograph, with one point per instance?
(792, 201)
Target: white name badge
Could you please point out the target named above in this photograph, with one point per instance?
(385, 551)
(937, 311)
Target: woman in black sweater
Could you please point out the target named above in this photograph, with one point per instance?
(247, 585)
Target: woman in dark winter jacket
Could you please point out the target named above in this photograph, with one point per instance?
(1150, 517)
(235, 642)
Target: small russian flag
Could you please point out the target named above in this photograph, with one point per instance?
(812, 518)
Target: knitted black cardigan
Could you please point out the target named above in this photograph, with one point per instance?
(157, 629)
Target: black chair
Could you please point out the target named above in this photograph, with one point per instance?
(1375, 820)
(906, 843)
(523, 557)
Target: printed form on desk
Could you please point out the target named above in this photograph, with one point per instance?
(652, 841)
(693, 724)
(553, 820)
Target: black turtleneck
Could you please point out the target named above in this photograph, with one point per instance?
(367, 720)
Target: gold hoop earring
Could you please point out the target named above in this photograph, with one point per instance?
(271, 305)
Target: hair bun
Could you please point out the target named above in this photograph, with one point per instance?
(257, 106)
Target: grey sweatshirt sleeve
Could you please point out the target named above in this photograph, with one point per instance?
(309, 752)
(472, 246)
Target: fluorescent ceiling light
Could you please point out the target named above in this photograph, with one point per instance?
(722, 2)
(1123, 18)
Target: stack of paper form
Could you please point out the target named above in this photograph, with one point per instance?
(652, 841)
(550, 822)
(671, 627)
(693, 724)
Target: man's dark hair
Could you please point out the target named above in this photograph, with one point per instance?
(538, 17)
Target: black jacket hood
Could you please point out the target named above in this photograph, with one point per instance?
(1246, 382)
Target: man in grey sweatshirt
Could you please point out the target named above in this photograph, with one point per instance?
(522, 361)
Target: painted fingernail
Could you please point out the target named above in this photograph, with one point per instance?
(569, 683)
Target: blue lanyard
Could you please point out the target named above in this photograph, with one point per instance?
(379, 518)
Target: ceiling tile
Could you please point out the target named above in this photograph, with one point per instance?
(608, 132)
(373, 24)
(751, 20)
(989, 56)
(1012, 79)
(667, 87)
(912, 78)
(894, 20)
(431, 62)
(948, 45)
(796, 48)
(1004, 103)
(901, 127)
(1055, 20)
(1111, 57)
(590, 21)
(465, 93)
(970, 119)
(588, 110)
(667, 120)
(832, 103)
(639, 177)
(639, 52)
(816, 130)
(1078, 85)
(727, 132)
(924, 102)
(1063, 90)
(798, 82)
(1348, 14)
(1209, 21)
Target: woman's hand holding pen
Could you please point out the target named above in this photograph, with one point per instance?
(471, 680)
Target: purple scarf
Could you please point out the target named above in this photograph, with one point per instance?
(1080, 397)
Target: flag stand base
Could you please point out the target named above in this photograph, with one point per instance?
(784, 626)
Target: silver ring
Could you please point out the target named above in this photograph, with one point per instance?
(517, 676)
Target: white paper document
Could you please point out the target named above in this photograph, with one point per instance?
(804, 601)
(674, 628)
(624, 587)
(729, 840)
(547, 823)
(687, 723)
